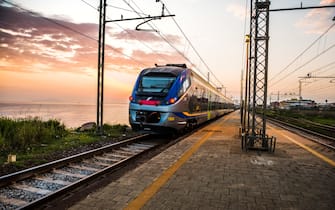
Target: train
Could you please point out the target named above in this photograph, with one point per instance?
(172, 98)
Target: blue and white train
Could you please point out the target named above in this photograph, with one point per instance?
(174, 98)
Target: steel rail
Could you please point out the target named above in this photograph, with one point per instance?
(87, 179)
(113, 149)
(316, 134)
(17, 176)
(83, 168)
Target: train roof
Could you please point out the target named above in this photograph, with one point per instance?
(174, 70)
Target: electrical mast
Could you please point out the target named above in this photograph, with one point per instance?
(101, 54)
(254, 126)
(101, 65)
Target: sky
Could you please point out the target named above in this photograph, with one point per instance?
(48, 49)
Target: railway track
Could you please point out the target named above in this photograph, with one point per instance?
(325, 140)
(32, 187)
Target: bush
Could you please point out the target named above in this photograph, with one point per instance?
(21, 134)
(114, 129)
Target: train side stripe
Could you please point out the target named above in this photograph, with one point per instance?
(189, 115)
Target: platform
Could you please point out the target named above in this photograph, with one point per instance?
(208, 170)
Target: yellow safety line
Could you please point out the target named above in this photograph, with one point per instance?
(322, 157)
(151, 190)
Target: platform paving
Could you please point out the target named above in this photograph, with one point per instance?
(219, 175)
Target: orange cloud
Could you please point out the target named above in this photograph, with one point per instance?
(56, 60)
(323, 2)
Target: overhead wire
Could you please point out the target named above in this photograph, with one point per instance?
(303, 52)
(159, 33)
(90, 5)
(143, 43)
(190, 43)
(120, 8)
(319, 70)
(70, 29)
(303, 65)
(321, 88)
(140, 14)
(175, 48)
(322, 67)
(109, 5)
(328, 69)
(130, 34)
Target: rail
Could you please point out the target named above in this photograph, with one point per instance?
(31, 187)
(322, 139)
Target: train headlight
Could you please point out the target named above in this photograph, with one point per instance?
(172, 100)
(131, 98)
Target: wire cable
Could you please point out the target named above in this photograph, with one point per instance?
(171, 45)
(303, 65)
(95, 8)
(302, 53)
(70, 29)
(192, 46)
(159, 33)
(130, 34)
(324, 68)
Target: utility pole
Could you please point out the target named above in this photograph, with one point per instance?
(101, 55)
(244, 105)
(254, 135)
(101, 65)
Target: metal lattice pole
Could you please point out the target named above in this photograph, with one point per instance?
(256, 90)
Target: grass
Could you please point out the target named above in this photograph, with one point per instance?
(321, 117)
(306, 118)
(32, 140)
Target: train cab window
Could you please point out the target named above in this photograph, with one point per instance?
(155, 84)
(186, 84)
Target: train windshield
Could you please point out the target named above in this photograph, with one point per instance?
(153, 84)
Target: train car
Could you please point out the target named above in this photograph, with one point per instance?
(173, 98)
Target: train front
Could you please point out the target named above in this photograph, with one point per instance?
(156, 97)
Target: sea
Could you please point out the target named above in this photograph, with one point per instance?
(72, 115)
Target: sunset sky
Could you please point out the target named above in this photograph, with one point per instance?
(48, 49)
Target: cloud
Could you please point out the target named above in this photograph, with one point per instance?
(237, 10)
(325, 2)
(317, 21)
(129, 34)
(32, 43)
(27, 40)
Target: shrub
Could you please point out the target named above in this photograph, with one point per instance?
(114, 129)
(21, 134)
